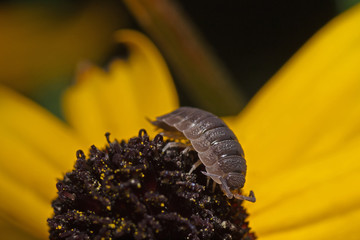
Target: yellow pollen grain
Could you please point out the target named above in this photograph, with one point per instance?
(108, 208)
(162, 204)
(58, 227)
(111, 225)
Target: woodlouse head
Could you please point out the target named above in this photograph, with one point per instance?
(235, 180)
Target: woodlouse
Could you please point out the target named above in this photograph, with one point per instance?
(216, 145)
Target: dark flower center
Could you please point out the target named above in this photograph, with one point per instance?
(132, 190)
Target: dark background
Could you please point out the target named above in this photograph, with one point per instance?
(255, 38)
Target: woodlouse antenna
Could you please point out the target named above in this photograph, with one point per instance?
(250, 198)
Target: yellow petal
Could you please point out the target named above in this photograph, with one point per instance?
(119, 101)
(27, 167)
(301, 136)
(311, 194)
(151, 79)
(36, 150)
(23, 207)
(36, 128)
(341, 226)
(11, 232)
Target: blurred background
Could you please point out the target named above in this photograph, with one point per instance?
(43, 42)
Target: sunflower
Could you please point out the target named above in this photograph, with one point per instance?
(300, 134)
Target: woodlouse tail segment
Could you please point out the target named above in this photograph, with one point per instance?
(166, 130)
(160, 125)
(250, 198)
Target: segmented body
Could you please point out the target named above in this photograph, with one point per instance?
(216, 145)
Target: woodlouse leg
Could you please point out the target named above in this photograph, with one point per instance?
(195, 165)
(187, 149)
(223, 185)
(213, 187)
(225, 188)
(207, 181)
(250, 198)
(174, 144)
(213, 184)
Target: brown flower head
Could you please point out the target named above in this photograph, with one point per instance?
(135, 190)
